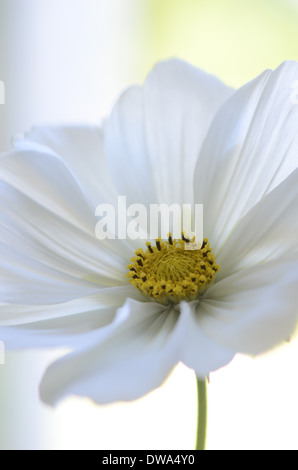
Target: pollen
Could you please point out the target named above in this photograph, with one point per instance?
(173, 270)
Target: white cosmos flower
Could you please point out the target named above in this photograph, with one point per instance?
(182, 137)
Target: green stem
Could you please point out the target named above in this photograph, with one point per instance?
(202, 414)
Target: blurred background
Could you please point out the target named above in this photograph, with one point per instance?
(67, 61)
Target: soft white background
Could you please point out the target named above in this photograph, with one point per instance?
(67, 60)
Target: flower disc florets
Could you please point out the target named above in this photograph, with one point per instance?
(173, 270)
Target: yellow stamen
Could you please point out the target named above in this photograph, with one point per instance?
(173, 270)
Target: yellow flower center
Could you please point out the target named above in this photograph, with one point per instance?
(173, 270)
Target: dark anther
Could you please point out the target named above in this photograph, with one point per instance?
(185, 239)
(203, 244)
(150, 248)
(170, 240)
(158, 245)
(140, 262)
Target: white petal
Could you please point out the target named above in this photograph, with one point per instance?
(267, 232)
(28, 282)
(61, 325)
(45, 179)
(81, 149)
(155, 133)
(31, 232)
(254, 309)
(47, 228)
(35, 315)
(198, 350)
(251, 147)
(120, 362)
(125, 145)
